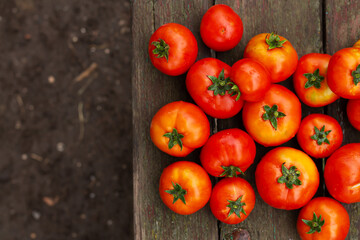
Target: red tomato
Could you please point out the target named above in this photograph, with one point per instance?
(319, 135)
(178, 128)
(286, 178)
(345, 65)
(342, 173)
(275, 119)
(185, 187)
(323, 218)
(232, 200)
(275, 53)
(221, 28)
(208, 83)
(173, 49)
(357, 44)
(228, 153)
(310, 81)
(353, 113)
(252, 79)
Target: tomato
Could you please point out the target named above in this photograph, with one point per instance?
(323, 218)
(252, 79)
(208, 83)
(232, 200)
(342, 173)
(310, 81)
(179, 127)
(275, 52)
(357, 44)
(228, 153)
(221, 28)
(185, 187)
(353, 113)
(319, 135)
(286, 178)
(173, 49)
(345, 65)
(275, 119)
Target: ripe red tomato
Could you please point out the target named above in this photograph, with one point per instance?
(342, 173)
(319, 135)
(232, 200)
(275, 119)
(173, 49)
(345, 65)
(185, 187)
(323, 218)
(357, 44)
(208, 83)
(252, 79)
(310, 81)
(275, 53)
(221, 28)
(179, 127)
(286, 178)
(228, 153)
(353, 112)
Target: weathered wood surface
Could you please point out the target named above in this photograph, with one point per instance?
(311, 26)
(342, 23)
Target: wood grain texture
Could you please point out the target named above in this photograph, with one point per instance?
(287, 19)
(152, 90)
(342, 20)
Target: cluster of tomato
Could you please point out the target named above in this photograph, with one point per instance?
(286, 178)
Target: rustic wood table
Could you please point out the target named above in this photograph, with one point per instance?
(321, 26)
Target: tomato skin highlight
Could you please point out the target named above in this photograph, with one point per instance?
(231, 189)
(313, 96)
(342, 173)
(278, 195)
(188, 119)
(287, 103)
(353, 112)
(341, 66)
(230, 147)
(280, 62)
(198, 82)
(192, 178)
(306, 130)
(252, 78)
(337, 222)
(183, 49)
(221, 28)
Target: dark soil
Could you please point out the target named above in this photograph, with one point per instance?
(65, 137)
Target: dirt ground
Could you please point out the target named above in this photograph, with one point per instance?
(65, 120)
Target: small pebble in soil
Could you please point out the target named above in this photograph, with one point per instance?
(60, 146)
(122, 22)
(78, 164)
(75, 39)
(36, 215)
(83, 30)
(83, 216)
(33, 235)
(107, 51)
(92, 195)
(109, 222)
(51, 79)
(24, 157)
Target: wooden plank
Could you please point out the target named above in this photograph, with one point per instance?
(300, 23)
(342, 21)
(151, 90)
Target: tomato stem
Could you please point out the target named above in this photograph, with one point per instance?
(161, 49)
(274, 41)
(289, 176)
(175, 138)
(314, 79)
(221, 85)
(236, 207)
(178, 192)
(231, 171)
(315, 224)
(320, 136)
(356, 75)
(272, 114)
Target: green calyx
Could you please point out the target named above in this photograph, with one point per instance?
(175, 138)
(315, 224)
(178, 193)
(221, 85)
(231, 171)
(314, 79)
(320, 136)
(289, 176)
(356, 75)
(272, 114)
(274, 41)
(236, 207)
(161, 49)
